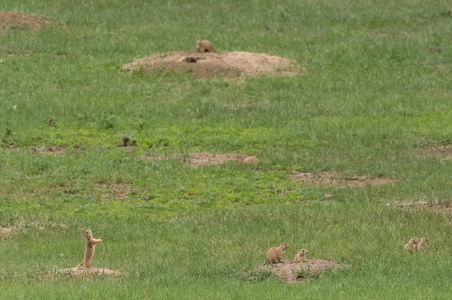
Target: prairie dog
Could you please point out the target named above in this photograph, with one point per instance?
(412, 244)
(301, 256)
(275, 254)
(422, 245)
(251, 160)
(204, 45)
(89, 250)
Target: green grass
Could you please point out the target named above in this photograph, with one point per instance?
(372, 99)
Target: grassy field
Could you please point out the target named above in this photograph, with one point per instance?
(372, 102)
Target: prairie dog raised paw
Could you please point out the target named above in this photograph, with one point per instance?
(89, 249)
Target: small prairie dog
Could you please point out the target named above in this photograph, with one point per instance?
(422, 245)
(90, 247)
(412, 244)
(204, 46)
(275, 254)
(251, 160)
(301, 256)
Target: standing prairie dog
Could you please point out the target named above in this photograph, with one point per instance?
(90, 247)
(422, 245)
(275, 254)
(301, 256)
(204, 45)
(412, 244)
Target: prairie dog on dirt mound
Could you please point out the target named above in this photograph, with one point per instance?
(422, 245)
(90, 247)
(275, 254)
(301, 256)
(204, 46)
(412, 244)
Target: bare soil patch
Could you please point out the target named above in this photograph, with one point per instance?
(5, 230)
(222, 63)
(440, 151)
(198, 159)
(10, 147)
(20, 21)
(46, 150)
(442, 207)
(296, 272)
(335, 179)
(117, 191)
(56, 150)
(86, 273)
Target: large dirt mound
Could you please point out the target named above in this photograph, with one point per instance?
(223, 63)
(297, 272)
(20, 21)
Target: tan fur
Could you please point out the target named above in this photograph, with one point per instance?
(90, 247)
(301, 256)
(275, 254)
(251, 160)
(204, 46)
(422, 245)
(412, 244)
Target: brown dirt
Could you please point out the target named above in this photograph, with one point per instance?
(19, 21)
(289, 271)
(5, 230)
(115, 191)
(10, 147)
(198, 159)
(23, 227)
(75, 272)
(439, 151)
(436, 49)
(335, 179)
(442, 207)
(223, 63)
(46, 150)
(56, 150)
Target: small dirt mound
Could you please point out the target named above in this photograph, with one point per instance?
(335, 179)
(198, 159)
(223, 63)
(87, 273)
(296, 272)
(19, 21)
